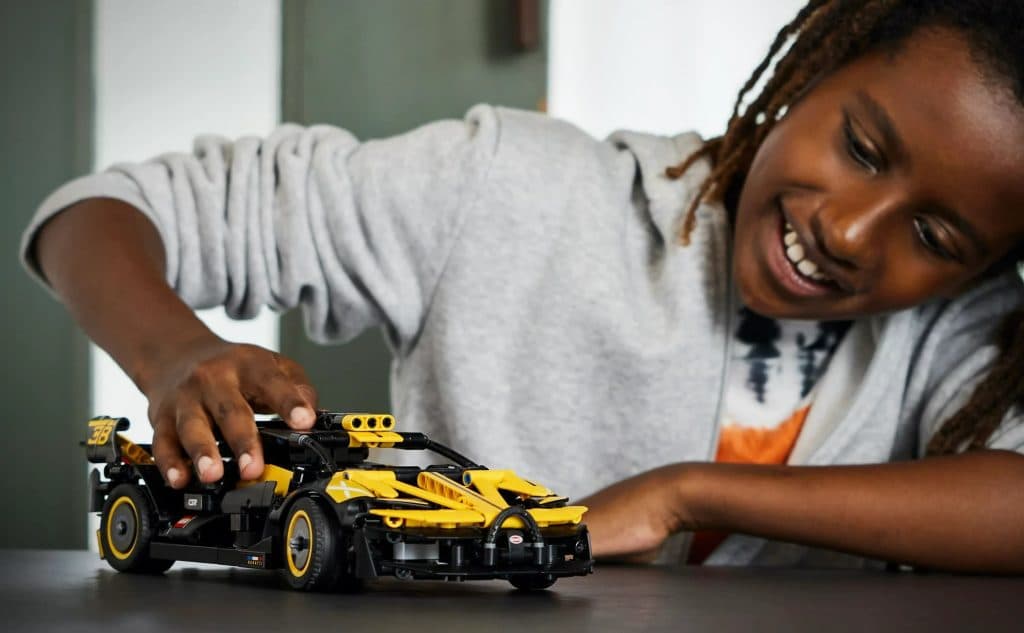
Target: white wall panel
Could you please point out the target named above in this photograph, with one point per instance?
(166, 71)
(662, 66)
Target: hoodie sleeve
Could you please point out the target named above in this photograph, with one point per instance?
(957, 355)
(356, 234)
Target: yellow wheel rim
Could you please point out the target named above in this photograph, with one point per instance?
(299, 543)
(122, 520)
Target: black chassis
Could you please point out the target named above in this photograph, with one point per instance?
(220, 524)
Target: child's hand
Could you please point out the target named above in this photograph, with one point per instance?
(631, 519)
(215, 382)
(193, 379)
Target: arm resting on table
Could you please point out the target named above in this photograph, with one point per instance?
(960, 513)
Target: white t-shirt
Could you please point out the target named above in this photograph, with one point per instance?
(770, 383)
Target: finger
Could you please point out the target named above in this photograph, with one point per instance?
(233, 416)
(167, 453)
(309, 393)
(298, 376)
(195, 432)
(282, 396)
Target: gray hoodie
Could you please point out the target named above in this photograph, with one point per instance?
(541, 312)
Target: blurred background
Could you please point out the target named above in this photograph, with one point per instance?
(87, 83)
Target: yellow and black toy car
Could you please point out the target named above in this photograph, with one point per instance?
(326, 517)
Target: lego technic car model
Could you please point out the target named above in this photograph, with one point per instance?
(325, 516)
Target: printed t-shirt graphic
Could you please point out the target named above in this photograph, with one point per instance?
(770, 381)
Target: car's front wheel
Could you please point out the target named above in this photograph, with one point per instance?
(126, 530)
(310, 547)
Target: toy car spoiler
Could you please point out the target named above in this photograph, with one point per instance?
(106, 444)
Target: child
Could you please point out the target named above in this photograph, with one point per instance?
(572, 309)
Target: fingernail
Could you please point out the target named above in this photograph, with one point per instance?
(173, 475)
(243, 462)
(204, 463)
(301, 416)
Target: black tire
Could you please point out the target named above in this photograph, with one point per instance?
(310, 547)
(127, 525)
(532, 583)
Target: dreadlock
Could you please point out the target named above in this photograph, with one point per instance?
(823, 36)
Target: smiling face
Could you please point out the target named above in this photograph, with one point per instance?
(896, 179)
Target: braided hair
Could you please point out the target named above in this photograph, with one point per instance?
(825, 35)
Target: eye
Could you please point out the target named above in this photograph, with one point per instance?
(859, 151)
(926, 234)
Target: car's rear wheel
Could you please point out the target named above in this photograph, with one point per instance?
(127, 525)
(310, 547)
(532, 583)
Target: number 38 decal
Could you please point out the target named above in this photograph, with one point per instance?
(101, 429)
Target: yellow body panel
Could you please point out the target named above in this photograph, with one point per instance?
(427, 495)
(340, 489)
(132, 452)
(282, 478)
(462, 507)
(373, 439)
(557, 516)
(441, 485)
(384, 484)
(379, 482)
(487, 481)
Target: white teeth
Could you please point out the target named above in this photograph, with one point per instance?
(807, 267)
(795, 253)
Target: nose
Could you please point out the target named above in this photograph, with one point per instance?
(851, 227)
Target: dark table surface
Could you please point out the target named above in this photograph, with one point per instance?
(70, 591)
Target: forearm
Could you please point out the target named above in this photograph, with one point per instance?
(105, 261)
(962, 513)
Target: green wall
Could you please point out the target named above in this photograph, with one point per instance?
(383, 67)
(45, 133)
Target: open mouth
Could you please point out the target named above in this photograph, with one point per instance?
(797, 256)
(795, 265)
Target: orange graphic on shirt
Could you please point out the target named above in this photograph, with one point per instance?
(751, 445)
(748, 445)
